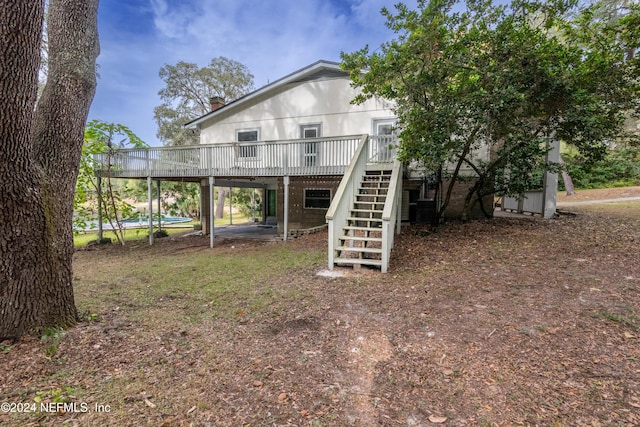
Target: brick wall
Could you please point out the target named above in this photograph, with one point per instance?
(299, 216)
(458, 195)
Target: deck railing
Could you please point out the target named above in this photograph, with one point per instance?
(391, 215)
(318, 156)
(343, 199)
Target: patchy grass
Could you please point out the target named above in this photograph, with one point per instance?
(624, 209)
(498, 322)
(197, 283)
(83, 239)
(628, 318)
(130, 235)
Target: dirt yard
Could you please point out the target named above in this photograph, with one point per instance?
(499, 322)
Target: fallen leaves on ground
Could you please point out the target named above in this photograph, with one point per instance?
(492, 322)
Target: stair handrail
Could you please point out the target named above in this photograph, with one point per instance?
(391, 213)
(338, 211)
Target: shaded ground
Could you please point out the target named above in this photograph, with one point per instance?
(498, 322)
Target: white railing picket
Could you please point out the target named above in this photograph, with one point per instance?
(318, 156)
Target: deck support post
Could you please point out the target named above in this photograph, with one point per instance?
(211, 213)
(550, 192)
(230, 206)
(285, 181)
(99, 188)
(399, 209)
(150, 190)
(200, 205)
(264, 206)
(159, 208)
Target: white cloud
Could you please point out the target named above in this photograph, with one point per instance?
(271, 37)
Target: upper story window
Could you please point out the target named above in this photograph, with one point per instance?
(383, 127)
(384, 131)
(310, 155)
(247, 135)
(311, 130)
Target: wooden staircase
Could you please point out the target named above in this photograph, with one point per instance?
(361, 239)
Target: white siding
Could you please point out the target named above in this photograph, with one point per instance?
(279, 115)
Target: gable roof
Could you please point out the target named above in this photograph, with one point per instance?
(319, 69)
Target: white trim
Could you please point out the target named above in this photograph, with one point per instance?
(376, 122)
(316, 126)
(247, 130)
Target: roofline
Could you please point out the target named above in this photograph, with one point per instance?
(309, 69)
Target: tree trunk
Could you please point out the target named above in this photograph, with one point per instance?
(222, 193)
(566, 178)
(40, 157)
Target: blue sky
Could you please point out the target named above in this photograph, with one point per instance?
(271, 37)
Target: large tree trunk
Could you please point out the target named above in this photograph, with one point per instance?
(40, 157)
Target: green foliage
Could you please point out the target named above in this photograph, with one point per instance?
(57, 395)
(509, 78)
(104, 139)
(181, 199)
(248, 202)
(188, 90)
(619, 168)
(52, 338)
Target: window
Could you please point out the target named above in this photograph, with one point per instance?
(247, 151)
(384, 127)
(317, 198)
(385, 134)
(310, 155)
(310, 131)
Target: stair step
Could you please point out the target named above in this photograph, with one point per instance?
(361, 261)
(376, 183)
(356, 228)
(367, 211)
(362, 202)
(369, 190)
(355, 218)
(375, 209)
(360, 250)
(361, 239)
(382, 197)
(375, 180)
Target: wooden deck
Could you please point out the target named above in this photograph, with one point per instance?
(313, 157)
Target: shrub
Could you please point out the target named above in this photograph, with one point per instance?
(619, 168)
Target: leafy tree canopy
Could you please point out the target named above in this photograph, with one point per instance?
(506, 78)
(188, 91)
(104, 139)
